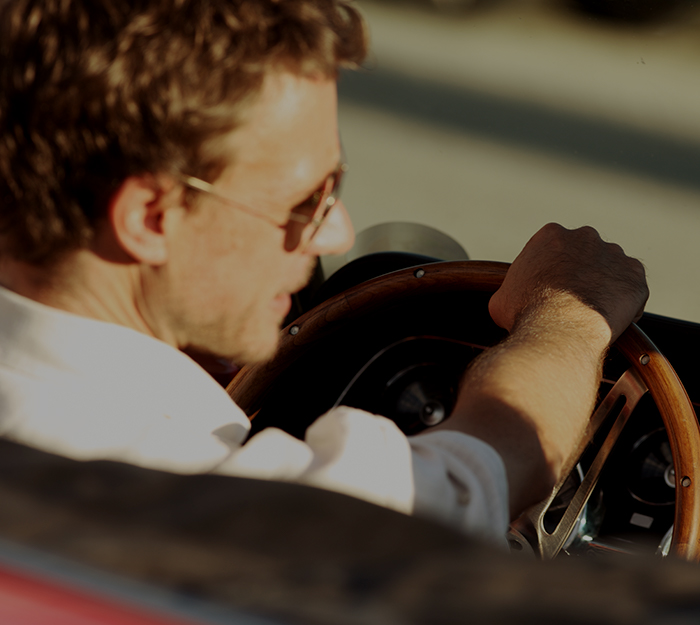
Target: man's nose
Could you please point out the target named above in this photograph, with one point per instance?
(336, 235)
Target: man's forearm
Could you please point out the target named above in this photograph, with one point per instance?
(530, 397)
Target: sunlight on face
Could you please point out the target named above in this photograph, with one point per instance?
(231, 278)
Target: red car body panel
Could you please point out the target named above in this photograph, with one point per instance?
(29, 600)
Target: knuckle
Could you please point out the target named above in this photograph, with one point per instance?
(588, 231)
(638, 268)
(617, 250)
(553, 229)
(553, 225)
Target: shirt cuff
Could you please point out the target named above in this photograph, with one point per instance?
(461, 480)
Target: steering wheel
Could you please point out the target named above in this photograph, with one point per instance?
(648, 370)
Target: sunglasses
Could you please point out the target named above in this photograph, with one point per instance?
(305, 219)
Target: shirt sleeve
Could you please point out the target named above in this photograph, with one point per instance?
(461, 480)
(449, 476)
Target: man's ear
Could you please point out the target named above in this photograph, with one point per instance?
(137, 215)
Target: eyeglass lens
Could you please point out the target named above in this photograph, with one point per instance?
(315, 209)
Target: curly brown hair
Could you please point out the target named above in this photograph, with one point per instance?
(94, 91)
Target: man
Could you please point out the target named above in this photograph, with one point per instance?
(169, 172)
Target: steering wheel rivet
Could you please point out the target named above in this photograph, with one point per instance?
(644, 359)
(294, 330)
(685, 482)
(419, 273)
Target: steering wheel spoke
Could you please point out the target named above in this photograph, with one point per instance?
(616, 406)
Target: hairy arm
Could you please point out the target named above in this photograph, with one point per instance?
(565, 299)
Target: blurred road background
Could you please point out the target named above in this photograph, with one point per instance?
(487, 123)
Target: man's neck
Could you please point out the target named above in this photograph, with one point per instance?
(81, 283)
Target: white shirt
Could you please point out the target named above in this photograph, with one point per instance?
(92, 390)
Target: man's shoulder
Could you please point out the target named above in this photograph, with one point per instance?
(89, 389)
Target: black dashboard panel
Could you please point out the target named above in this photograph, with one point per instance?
(319, 377)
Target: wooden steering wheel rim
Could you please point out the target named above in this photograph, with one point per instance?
(331, 316)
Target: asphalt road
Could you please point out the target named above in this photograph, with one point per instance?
(488, 125)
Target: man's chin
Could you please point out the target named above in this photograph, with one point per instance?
(258, 352)
(217, 358)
